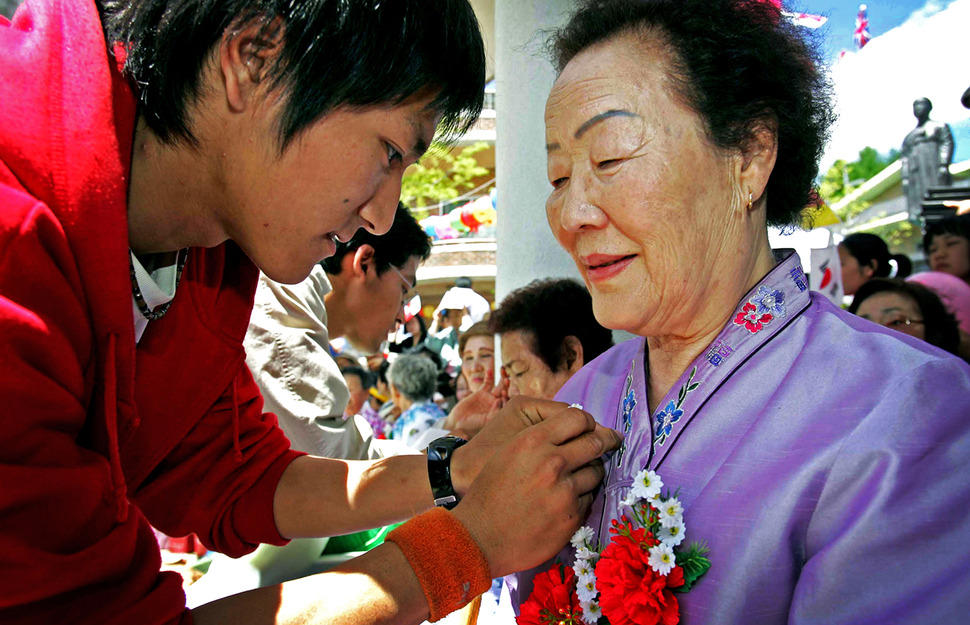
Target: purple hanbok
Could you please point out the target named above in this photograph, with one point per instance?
(824, 459)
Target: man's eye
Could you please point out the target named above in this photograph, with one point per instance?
(393, 155)
(558, 182)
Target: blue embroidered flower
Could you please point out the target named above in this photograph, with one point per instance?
(769, 301)
(666, 419)
(629, 403)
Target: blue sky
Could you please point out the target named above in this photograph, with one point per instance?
(920, 48)
(883, 17)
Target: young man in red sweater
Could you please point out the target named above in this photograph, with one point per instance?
(154, 156)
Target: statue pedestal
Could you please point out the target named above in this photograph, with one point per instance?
(933, 207)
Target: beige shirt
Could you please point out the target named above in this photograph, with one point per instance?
(287, 349)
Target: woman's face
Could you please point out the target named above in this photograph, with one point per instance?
(413, 326)
(950, 253)
(640, 198)
(528, 374)
(854, 275)
(896, 311)
(477, 359)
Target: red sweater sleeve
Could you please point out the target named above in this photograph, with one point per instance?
(220, 480)
(64, 553)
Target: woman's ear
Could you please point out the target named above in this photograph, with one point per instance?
(757, 161)
(244, 56)
(571, 355)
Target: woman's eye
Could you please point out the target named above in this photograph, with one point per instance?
(608, 163)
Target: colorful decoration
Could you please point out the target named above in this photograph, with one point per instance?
(632, 580)
(466, 219)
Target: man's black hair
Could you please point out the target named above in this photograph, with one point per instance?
(335, 53)
(547, 311)
(740, 65)
(404, 240)
(366, 377)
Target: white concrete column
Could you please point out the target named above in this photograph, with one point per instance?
(523, 75)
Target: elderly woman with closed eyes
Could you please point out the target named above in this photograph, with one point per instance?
(827, 491)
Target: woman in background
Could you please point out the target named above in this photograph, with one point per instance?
(909, 308)
(865, 256)
(548, 332)
(477, 349)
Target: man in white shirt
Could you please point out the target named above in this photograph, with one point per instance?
(358, 294)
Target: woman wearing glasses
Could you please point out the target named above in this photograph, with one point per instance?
(908, 308)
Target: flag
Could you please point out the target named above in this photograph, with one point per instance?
(412, 308)
(805, 19)
(826, 275)
(861, 35)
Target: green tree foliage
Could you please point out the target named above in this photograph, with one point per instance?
(442, 175)
(843, 178)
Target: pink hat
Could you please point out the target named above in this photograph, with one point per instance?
(954, 292)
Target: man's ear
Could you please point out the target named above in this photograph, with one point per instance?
(363, 263)
(757, 160)
(571, 355)
(244, 56)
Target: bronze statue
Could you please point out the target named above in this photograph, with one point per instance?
(926, 156)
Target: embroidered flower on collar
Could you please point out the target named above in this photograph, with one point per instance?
(672, 412)
(666, 419)
(769, 301)
(750, 318)
(629, 403)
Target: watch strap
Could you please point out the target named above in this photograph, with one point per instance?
(440, 452)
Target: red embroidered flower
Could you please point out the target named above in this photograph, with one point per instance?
(750, 319)
(553, 600)
(631, 593)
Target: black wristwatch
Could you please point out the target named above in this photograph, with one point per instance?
(439, 470)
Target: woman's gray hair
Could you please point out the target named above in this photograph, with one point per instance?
(414, 376)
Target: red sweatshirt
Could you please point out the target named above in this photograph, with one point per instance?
(98, 438)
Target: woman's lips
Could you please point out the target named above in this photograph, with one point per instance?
(601, 267)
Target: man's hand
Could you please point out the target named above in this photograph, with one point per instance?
(541, 464)
(470, 415)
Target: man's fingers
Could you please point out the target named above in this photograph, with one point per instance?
(588, 477)
(588, 447)
(584, 503)
(537, 411)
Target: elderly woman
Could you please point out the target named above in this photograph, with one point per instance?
(547, 331)
(413, 380)
(828, 492)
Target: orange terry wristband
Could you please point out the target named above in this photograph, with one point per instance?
(448, 563)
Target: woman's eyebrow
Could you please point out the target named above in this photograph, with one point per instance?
(598, 118)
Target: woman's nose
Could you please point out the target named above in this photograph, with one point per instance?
(578, 209)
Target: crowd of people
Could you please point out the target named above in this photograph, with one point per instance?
(203, 253)
(932, 305)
